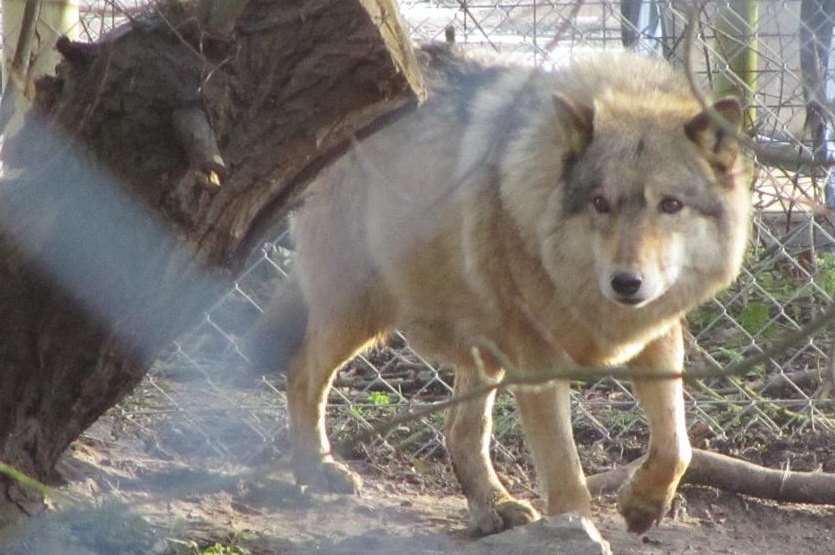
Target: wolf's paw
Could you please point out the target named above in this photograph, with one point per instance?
(503, 515)
(329, 477)
(517, 513)
(639, 512)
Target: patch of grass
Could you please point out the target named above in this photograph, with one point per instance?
(379, 398)
(826, 273)
(220, 549)
(754, 317)
(230, 545)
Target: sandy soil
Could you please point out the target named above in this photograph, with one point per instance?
(260, 508)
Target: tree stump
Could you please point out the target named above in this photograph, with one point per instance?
(151, 166)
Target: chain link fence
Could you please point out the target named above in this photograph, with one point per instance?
(201, 385)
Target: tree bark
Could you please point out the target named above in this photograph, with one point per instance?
(150, 167)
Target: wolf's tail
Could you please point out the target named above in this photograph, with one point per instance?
(277, 336)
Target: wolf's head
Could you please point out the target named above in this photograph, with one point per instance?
(658, 191)
(651, 199)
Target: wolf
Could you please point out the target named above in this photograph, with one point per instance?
(519, 220)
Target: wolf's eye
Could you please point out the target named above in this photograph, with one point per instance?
(670, 205)
(601, 204)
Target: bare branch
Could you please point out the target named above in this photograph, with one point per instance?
(220, 16)
(19, 70)
(566, 23)
(592, 374)
(766, 154)
(23, 50)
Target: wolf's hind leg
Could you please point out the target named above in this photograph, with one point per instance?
(546, 419)
(646, 497)
(328, 343)
(468, 429)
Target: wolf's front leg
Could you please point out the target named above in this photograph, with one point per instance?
(646, 497)
(546, 419)
(468, 429)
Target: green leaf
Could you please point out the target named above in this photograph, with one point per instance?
(754, 317)
(379, 398)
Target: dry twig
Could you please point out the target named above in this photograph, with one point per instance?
(592, 374)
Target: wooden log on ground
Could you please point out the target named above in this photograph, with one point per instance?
(736, 476)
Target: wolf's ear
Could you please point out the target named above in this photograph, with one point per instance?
(576, 119)
(719, 145)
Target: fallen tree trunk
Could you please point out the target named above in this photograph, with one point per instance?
(150, 167)
(730, 474)
(737, 476)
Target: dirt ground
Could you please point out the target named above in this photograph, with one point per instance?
(258, 507)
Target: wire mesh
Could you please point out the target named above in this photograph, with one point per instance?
(788, 277)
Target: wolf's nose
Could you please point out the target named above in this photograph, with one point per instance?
(626, 283)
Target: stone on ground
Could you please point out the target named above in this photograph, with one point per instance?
(566, 534)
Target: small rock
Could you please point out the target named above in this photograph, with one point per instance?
(566, 534)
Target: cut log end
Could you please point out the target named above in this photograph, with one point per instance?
(77, 53)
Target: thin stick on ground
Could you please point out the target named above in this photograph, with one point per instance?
(25, 481)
